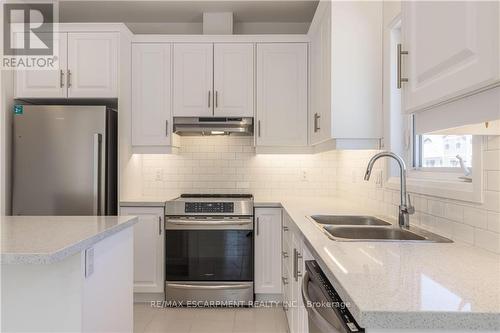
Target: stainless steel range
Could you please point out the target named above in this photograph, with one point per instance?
(209, 250)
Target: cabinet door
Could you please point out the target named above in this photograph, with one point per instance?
(233, 80)
(93, 65)
(151, 95)
(453, 49)
(193, 80)
(268, 251)
(44, 83)
(149, 255)
(320, 74)
(282, 94)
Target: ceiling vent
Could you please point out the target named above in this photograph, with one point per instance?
(218, 23)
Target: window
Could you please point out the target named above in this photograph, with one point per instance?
(435, 151)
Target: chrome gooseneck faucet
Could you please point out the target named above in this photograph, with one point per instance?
(405, 208)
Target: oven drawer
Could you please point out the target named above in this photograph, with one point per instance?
(209, 255)
(209, 293)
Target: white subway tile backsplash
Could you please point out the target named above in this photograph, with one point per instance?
(487, 240)
(494, 222)
(463, 233)
(491, 160)
(229, 164)
(475, 217)
(436, 208)
(454, 212)
(493, 180)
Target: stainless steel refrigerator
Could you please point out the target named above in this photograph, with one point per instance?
(64, 160)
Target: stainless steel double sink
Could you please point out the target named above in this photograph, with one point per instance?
(350, 228)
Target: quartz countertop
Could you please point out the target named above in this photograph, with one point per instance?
(48, 239)
(397, 285)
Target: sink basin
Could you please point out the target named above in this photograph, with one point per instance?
(348, 220)
(376, 234)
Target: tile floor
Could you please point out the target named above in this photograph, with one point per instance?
(209, 320)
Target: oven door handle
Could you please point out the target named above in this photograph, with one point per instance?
(204, 287)
(314, 315)
(208, 222)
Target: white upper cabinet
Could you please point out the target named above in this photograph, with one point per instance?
(346, 77)
(44, 83)
(151, 95)
(88, 68)
(193, 80)
(92, 65)
(268, 250)
(453, 50)
(281, 94)
(149, 248)
(320, 76)
(233, 80)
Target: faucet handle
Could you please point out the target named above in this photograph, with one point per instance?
(409, 208)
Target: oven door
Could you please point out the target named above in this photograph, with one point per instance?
(209, 250)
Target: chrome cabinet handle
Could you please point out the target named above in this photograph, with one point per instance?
(61, 78)
(216, 99)
(316, 122)
(295, 277)
(209, 98)
(299, 272)
(400, 54)
(69, 78)
(166, 127)
(208, 222)
(257, 226)
(258, 128)
(284, 280)
(159, 225)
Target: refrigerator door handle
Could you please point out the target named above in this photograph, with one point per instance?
(96, 206)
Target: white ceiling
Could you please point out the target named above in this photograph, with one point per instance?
(185, 11)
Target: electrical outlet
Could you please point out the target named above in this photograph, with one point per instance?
(159, 175)
(303, 176)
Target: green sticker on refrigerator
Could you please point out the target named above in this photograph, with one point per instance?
(18, 109)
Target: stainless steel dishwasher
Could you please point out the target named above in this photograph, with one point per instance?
(326, 310)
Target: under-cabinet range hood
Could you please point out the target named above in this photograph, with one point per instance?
(193, 126)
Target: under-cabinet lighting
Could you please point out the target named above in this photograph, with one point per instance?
(217, 132)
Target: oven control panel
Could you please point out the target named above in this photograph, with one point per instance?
(209, 207)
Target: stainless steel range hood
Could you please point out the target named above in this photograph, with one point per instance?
(193, 126)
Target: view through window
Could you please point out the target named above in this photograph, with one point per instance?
(445, 151)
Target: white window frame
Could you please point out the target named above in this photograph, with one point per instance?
(438, 182)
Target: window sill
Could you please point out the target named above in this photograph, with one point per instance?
(449, 189)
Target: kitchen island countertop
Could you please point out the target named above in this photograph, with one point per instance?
(48, 239)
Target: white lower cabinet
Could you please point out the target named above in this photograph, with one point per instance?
(294, 254)
(268, 251)
(149, 248)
